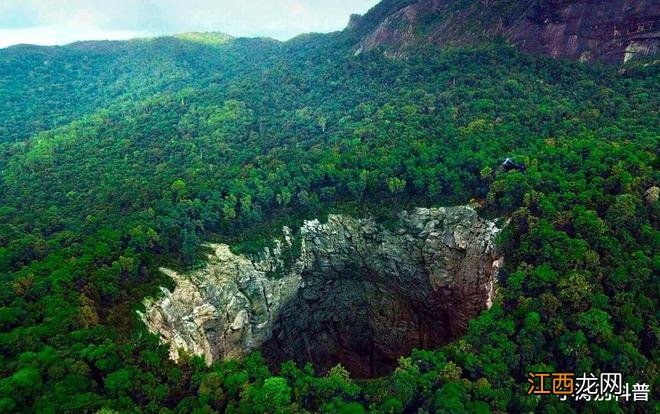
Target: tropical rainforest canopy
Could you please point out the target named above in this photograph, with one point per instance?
(119, 157)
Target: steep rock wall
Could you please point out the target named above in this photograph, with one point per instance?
(612, 31)
(358, 293)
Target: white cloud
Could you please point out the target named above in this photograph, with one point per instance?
(50, 22)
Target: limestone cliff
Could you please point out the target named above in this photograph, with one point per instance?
(357, 293)
(612, 31)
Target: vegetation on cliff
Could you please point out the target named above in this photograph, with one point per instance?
(263, 131)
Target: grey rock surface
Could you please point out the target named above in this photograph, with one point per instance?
(613, 31)
(357, 293)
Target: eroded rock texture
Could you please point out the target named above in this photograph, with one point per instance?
(357, 294)
(613, 31)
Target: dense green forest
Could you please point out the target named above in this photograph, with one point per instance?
(46, 87)
(128, 155)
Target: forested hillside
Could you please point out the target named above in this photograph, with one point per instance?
(128, 155)
(47, 87)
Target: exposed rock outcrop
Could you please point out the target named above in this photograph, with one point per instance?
(356, 293)
(224, 310)
(612, 31)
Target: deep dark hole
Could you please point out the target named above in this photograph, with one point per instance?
(359, 320)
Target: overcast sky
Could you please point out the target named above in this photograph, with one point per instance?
(50, 22)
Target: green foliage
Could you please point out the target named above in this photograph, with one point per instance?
(44, 88)
(175, 141)
(273, 396)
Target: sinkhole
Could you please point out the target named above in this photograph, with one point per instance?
(346, 291)
(361, 320)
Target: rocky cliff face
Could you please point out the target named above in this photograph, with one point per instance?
(356, 293)
(613, 31)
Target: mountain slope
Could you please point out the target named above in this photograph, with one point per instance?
(46, 87)
(181, 141)
(90, 210)
(612, 31)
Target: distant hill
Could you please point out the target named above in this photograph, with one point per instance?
(119, 158)
(46, 87)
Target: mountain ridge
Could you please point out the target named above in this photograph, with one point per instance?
(138, 68)
(620, 31)
(161, 146)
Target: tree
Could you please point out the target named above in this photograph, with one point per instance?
(119, 381)
(273, 396)
(396, 186)
(178, 188)
(88, 314)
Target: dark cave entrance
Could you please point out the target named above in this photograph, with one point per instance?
(357, 294)
(360, 320)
